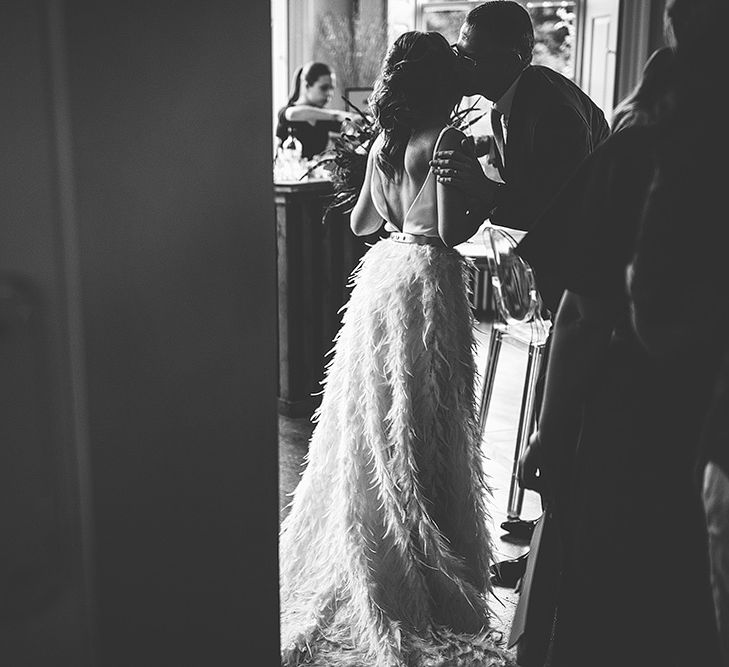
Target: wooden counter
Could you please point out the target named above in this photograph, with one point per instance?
(315, 258)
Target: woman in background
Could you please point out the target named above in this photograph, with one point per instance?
(384, 555)
(305, 113)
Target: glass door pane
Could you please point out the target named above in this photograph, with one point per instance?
(555, 32)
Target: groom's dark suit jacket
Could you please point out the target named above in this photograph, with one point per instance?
(553, 126)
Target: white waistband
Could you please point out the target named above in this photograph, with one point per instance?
(419, 239)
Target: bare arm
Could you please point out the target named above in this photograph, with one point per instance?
(365, 219)
(658, 279)
(454, 224)
(658, 331)
(580, 338)
(305, 112)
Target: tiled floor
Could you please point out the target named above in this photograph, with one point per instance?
(498, 448)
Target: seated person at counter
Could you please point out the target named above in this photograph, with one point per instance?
(304, 113)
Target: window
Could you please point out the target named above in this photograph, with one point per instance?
(555, 28)
(444, 17)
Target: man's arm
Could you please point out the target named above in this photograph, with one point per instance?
(664, 291)
(305, 112)
(580, 339)
(365, 219)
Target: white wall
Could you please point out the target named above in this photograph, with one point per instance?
(281, 78)
(302, 21)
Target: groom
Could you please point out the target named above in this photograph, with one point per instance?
(543, 124)
(543, 127)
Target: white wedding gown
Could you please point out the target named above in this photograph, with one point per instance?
(384, 555)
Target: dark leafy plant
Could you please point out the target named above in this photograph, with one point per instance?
(348, 164)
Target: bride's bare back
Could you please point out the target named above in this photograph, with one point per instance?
(401, 193)
(444, 209)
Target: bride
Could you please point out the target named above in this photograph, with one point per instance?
(384, 555)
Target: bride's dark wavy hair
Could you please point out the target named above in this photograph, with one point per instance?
(418, 82)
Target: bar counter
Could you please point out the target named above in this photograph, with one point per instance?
(316, 254)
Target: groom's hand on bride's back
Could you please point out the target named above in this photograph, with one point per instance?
(461, 169)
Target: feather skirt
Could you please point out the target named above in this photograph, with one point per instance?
(384, 554)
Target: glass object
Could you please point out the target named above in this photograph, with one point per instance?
(519, 309)
(511, 277)
(515, 292)
(467, 60)
(292, 147)
(289, 165)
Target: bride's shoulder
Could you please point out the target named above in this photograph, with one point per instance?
(374, 147)
(450, 137)
(376, 142)
(431, 138)
(452, 131)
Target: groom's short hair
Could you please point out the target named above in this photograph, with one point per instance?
(507, 23)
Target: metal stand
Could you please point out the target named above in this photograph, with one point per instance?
(518, 316)
(526, 426)
(487, 389)
(526, 413)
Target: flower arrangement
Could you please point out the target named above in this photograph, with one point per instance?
(348, 164)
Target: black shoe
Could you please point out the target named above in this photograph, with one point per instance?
(507, 573)
(520, 528)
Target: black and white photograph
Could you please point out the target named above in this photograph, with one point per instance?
(364, 333)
